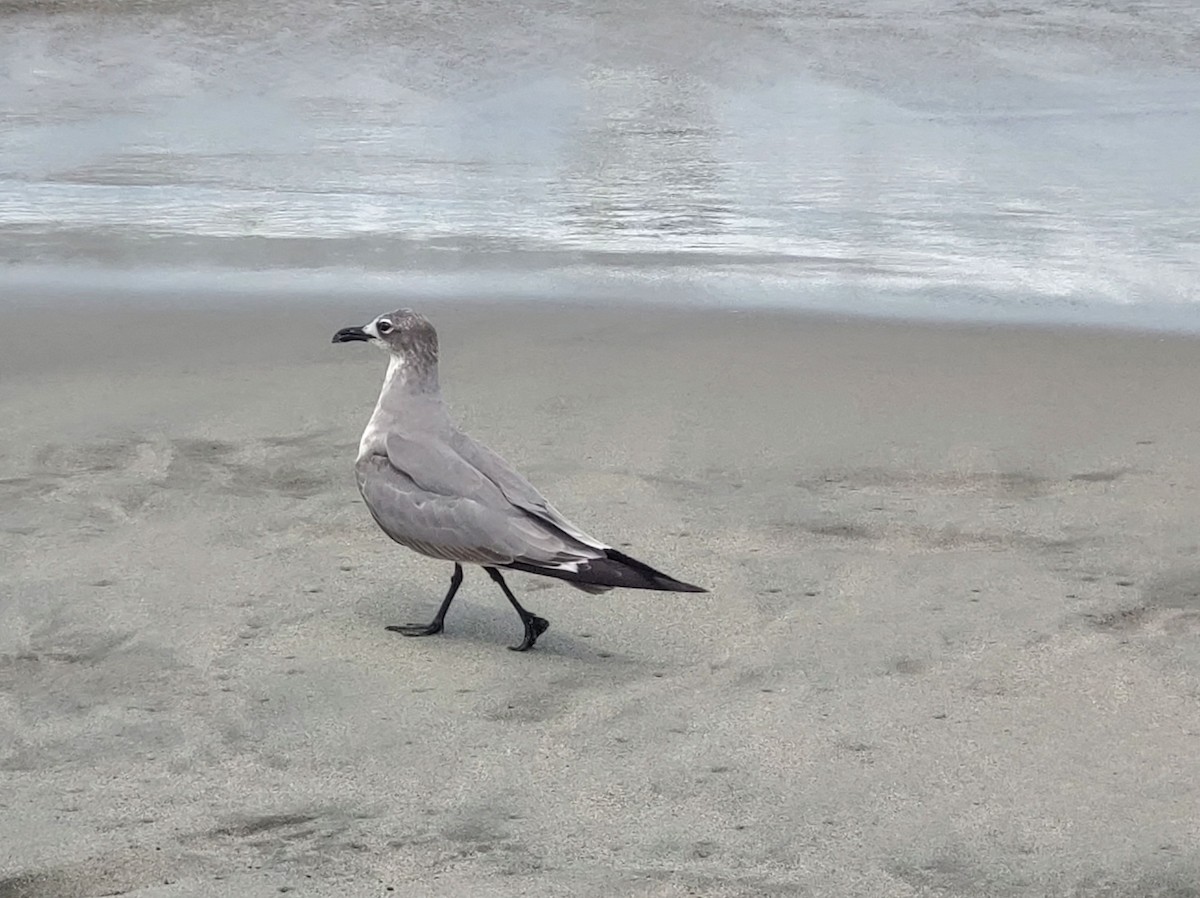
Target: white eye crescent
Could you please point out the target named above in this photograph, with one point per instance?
(384, 327)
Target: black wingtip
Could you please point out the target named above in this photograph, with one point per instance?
(657, 579)
(616, 570)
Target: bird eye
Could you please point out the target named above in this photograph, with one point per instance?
(384, 327)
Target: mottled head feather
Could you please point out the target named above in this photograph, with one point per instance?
(413, 343)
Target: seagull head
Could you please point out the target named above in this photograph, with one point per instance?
(403, 333)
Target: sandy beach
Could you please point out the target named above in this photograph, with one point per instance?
(951, 648)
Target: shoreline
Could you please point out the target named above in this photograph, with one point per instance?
(685, 287)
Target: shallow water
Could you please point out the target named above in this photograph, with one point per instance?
(1027, 161)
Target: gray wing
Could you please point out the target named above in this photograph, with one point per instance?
(427, 497)
(519, 491)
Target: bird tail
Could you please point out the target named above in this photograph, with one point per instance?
(615, 569)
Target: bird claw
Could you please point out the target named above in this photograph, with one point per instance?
(417, 629)
(534, 627)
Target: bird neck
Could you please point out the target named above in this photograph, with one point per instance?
(412, 376)
(402, 396)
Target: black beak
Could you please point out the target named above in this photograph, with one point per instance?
(351, 335)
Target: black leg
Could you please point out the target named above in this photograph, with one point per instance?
(534, 626)
(434, 626)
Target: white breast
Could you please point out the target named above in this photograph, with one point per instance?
(375, 435)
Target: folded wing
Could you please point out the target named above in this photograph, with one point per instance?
(427, 496)
(517, 490)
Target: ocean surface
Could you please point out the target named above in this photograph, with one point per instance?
(1024, 160)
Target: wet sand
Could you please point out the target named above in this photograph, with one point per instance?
(952, 645)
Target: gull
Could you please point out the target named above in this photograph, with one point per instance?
(433, 489)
